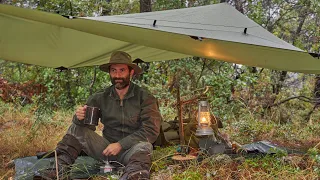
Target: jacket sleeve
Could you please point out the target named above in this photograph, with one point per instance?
(150, 124)
(92, 101)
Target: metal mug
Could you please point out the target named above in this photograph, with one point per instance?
(92, 115)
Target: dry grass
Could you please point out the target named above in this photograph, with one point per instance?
(21, 137)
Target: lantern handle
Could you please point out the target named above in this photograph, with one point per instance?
(205, 90)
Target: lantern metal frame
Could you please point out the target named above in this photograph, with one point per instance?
(204, 119)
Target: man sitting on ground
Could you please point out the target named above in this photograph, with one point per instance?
(131, 120)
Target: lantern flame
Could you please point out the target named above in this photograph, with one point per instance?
(203, 120)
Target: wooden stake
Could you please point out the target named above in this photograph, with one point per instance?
(56, 159)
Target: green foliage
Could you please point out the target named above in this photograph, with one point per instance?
(257, 13)
(271, 164)
(161, 157)
(161, 5)
(189, 175)
(314, 154)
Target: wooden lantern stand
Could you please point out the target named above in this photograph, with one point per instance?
(183, 157)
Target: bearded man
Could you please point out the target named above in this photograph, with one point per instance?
(131, 120)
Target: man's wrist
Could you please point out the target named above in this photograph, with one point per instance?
(119, 144)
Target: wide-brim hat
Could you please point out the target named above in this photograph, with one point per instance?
(120, 57)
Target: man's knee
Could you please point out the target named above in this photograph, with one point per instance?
(137, 160)
(142, 146)
(78, 131)
(141, 149)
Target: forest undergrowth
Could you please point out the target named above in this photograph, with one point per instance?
(23, 134)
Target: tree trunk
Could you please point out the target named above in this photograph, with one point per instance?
(277, 87)
(145, 6)
(93, 81)
(239, 6)
(105, 9)
(317, 88)
(182, 3)
(316, 94)
(299, 28)
(68, 87)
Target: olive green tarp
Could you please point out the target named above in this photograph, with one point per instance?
(215, 31)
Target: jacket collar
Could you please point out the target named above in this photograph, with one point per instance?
(130, 93)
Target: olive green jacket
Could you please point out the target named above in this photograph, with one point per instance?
(129, 121)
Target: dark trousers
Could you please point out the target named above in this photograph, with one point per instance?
(136, 158)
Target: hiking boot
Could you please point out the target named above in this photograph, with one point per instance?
(137, 175)
(51, 173)
(143, 174)
(68, 150)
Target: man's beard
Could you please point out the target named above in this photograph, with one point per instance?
(121, 85)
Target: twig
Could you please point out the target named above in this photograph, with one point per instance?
(316, 146)
(5, 175)
(302, 98)
(203, 66)
(117, 163)
(154, 162)
(93, 80)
